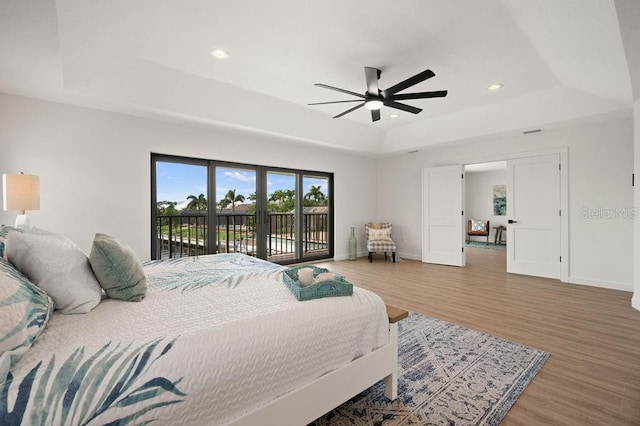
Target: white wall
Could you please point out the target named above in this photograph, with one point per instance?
(94, 168)
(636, 190)
(94, 171)
(600, 164)
(479, 199)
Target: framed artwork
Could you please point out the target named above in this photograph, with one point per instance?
(500, 200)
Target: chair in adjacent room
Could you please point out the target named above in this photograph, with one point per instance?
(379, 240)
(478, 228)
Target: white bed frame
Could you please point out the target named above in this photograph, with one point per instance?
(306, 404)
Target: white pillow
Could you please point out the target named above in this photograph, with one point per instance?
(56, 265)
(379, 234)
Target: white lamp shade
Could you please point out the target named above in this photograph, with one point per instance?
(21, 192)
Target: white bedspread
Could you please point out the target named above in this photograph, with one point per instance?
(216, 336)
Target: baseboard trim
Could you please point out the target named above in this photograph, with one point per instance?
(409, 256)
(612, 285)
(346, 256)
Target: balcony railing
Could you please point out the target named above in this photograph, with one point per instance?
(186, 235)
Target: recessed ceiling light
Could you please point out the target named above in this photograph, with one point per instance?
(495, 86)
(394, 115)
(219, 54)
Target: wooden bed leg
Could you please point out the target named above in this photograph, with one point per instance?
(391, 381)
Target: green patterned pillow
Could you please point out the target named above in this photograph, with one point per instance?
(4, 232)
(117, 269)
(25, 310)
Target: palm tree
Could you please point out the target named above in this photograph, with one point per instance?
(223, 204)
(168, 208)
(277, 196)
(198, 203)
(315, 193)
(289, 200)
(232, 199)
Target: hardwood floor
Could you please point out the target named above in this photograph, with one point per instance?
(593, 334)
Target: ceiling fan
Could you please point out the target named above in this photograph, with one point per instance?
(374, 98)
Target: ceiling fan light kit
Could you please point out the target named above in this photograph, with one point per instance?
(375, 104)
(374, 98)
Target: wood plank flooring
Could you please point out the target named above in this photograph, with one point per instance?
(593, 334)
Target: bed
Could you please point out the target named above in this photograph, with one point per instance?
(218, 339)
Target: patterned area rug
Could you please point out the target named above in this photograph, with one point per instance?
(449, 375)
(490, 246)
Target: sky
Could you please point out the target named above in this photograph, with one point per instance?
(175, 182)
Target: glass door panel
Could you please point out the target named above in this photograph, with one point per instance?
(281, 229)
(206, 206)
(315, 216)
(235, 210)
(181, 210)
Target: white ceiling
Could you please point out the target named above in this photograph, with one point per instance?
(558, 61)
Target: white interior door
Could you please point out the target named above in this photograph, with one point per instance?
(442, 215)
(533, 213)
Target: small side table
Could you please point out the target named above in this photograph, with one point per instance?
(498, 238)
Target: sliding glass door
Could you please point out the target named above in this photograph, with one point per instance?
(280, 219)
(179, 208)
(280, 215)
(235, 210)
(315, 215)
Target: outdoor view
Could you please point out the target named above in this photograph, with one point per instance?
(183, 208)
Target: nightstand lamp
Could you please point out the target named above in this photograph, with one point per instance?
(21, 192)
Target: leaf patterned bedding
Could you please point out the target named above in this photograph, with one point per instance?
(216, 337)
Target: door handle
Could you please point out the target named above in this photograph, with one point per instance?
(513, 221)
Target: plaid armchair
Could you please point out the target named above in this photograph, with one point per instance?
(379, 240)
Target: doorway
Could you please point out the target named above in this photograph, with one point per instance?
(485, 200)
(536, 230)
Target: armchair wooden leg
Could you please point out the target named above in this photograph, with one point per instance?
(370, 257)
(385, 256)
(393, 256)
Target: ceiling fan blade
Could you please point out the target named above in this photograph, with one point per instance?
(335, 102)
(375, 114)
(403, 107)
(372, 75)
(349, 110)
(419, 95)
(337, 89)
(418, 78)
